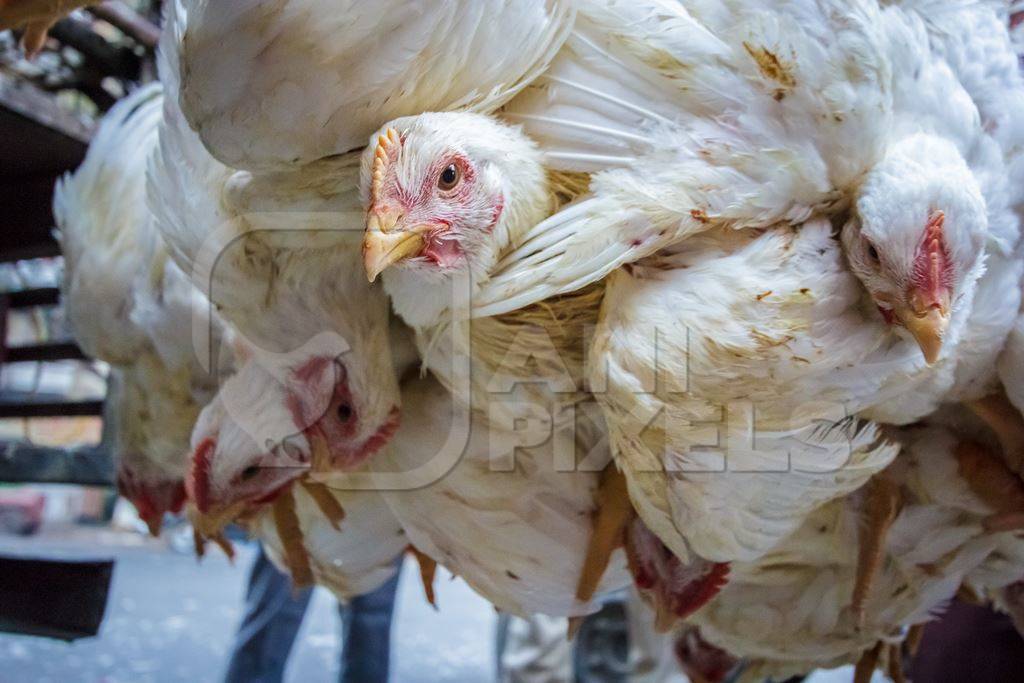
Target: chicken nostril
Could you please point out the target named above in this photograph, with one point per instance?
(344, 412)
(250, 472)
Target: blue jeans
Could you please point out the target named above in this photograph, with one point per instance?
(273, 615)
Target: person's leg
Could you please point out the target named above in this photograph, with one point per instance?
(533, 650)
(601, 648)
(366, 623)
(273, 615)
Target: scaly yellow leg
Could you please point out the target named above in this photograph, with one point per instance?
(614, 511)
(1008, 424)
(881, 507)
(866, 664)
(290, 533)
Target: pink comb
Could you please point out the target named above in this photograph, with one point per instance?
(388, 144)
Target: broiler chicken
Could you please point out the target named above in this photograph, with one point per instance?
(130, 306)
(518, 377)
(730, 368)
(317, 389)
(498, 512)
(350, 556)
(788, 612)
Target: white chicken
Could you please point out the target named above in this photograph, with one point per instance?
(273, 254)
(729, 367)
(788, 612)
(350, 554)
(130, 306)
(519, 376)
(286, 82)
(503, 516)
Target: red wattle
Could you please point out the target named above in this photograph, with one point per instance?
(197, 483)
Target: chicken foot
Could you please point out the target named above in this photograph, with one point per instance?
(913, 640)
(199, 544)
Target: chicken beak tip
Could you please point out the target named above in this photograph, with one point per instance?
(928, 331)
(384, 249)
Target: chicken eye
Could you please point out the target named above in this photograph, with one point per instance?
(250, 472)
(449, 177)
(873, 254)
(344, 412)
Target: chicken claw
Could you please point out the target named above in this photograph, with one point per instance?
(199, 542)
(35, 17)
(428, 569)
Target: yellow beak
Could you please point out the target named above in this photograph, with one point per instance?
(927, 324)
(384, 246)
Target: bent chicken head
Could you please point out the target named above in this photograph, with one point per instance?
(152, 410)
(321, 407)
(445, 193)
(917, 241)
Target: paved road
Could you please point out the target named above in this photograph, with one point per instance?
(170, 619)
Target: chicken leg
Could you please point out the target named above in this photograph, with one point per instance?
(867, 664)
(328, 504)
(35, 17)
(1008, 424)
(290, 533)
(895, 654)
(881, 506)
(991, 479)
(614, 511)
(913, 640)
